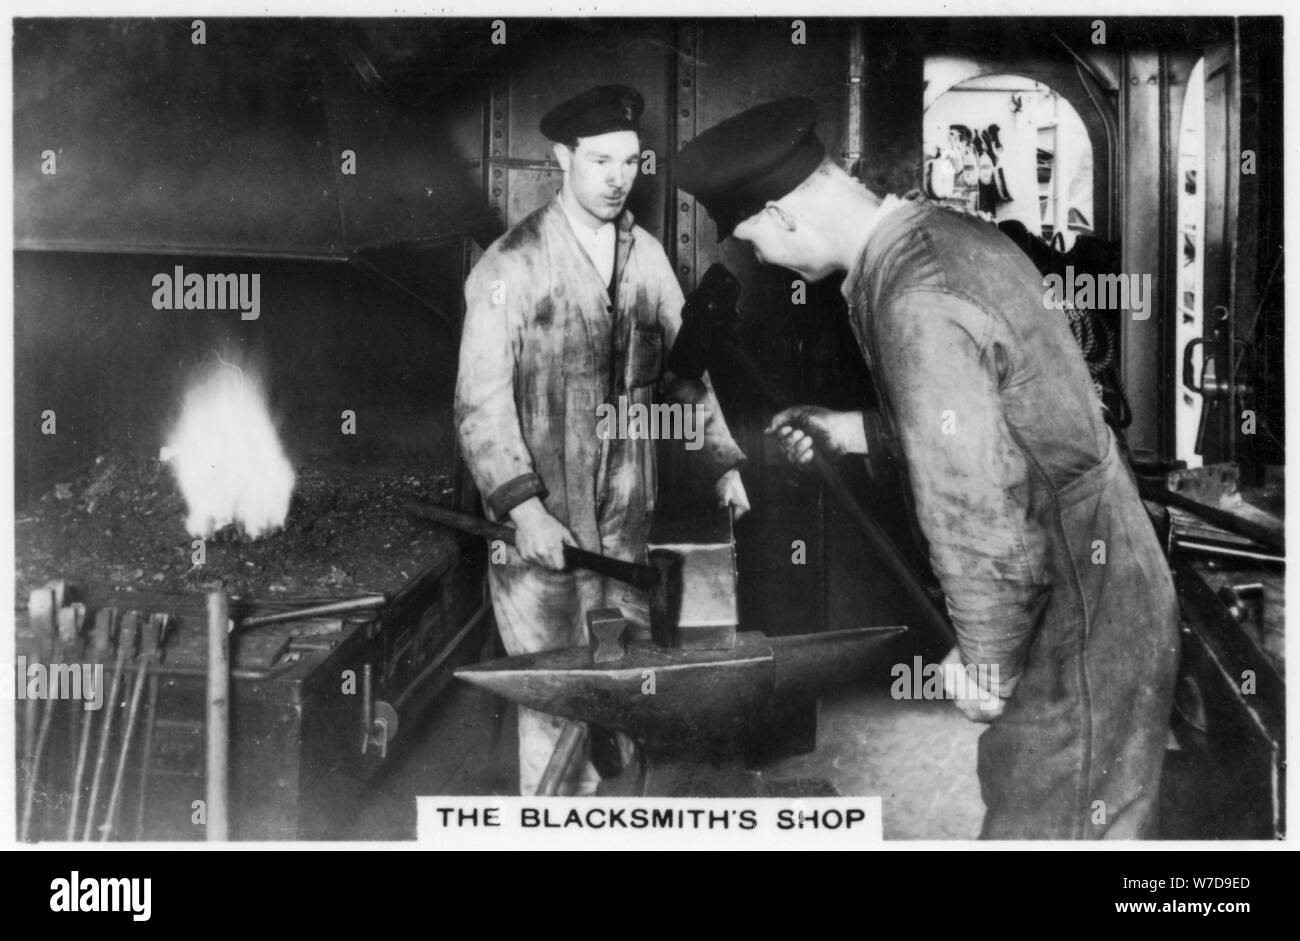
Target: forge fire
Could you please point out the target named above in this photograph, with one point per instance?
(228, 458)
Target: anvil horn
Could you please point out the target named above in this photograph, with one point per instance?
(810, 665)
(669, 695)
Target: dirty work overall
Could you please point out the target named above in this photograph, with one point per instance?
(542, 346)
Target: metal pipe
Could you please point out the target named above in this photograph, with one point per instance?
(218, 743)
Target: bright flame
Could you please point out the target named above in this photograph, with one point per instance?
(227, 457)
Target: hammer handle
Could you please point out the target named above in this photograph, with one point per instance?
(639, 576)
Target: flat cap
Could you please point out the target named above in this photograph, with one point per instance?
(598, 110)
(736, 167)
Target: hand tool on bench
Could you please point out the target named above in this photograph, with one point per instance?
(329, 609)
(150, 644)
(42, 612)
(102, 635)
(72, 620)
(639, 576)
(146, 755)
(128, 629)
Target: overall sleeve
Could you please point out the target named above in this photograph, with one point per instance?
(720, 451)
(969, 476)
(487, 419)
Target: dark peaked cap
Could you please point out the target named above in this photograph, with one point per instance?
(736, 167)
(598, 110)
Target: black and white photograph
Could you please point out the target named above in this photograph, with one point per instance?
(490, 431)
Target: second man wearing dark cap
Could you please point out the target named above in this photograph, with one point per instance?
(1053, 574)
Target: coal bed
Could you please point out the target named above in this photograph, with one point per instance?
(120, 527)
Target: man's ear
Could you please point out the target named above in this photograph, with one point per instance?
(780, 216)
(563, 156)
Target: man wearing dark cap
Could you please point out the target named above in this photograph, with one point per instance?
(1050, 567)
(572, 309)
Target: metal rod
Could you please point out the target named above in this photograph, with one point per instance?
(79, 775)
(1211, 549)
(367, 681)
(218, 744)
(351, 605)
(46, 619)
(31, 724)
(146, 755)
(106, 730)
(128, 734)
(29, 799)
(883, 547)
(40, 616)
(77, 717)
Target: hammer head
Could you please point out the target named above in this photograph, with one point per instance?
(607, 630)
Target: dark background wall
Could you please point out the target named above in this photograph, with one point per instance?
(89, 345)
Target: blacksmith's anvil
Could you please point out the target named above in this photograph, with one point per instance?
(685, 701)
(692, 688)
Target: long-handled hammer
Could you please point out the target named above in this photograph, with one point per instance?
(639, 576)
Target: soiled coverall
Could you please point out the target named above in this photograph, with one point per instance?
(1034, 527)
(542, 346)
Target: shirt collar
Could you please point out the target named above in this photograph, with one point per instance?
(887, 205)
(581, 229)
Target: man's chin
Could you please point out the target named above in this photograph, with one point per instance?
(607, 211)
